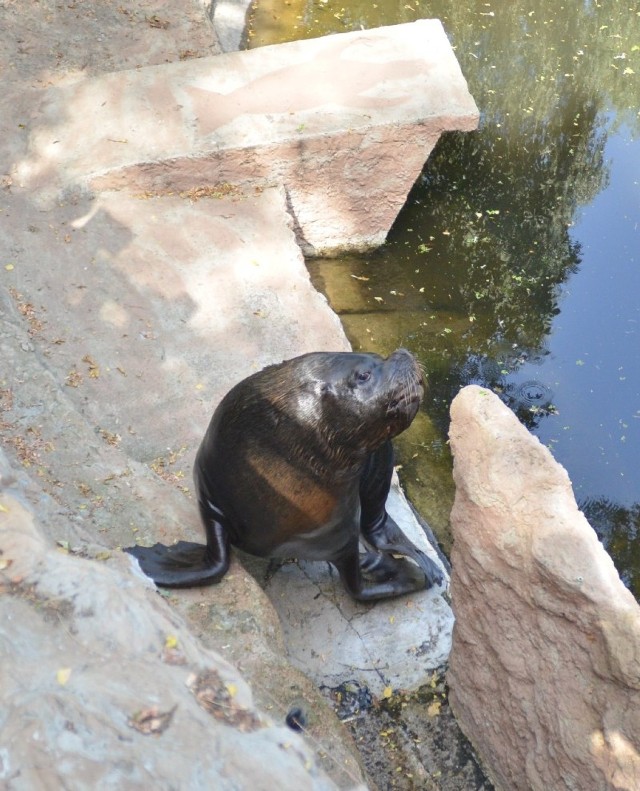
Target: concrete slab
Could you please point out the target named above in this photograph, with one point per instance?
(344, 122)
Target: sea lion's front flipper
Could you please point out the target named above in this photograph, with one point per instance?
(377, 527)
(375, 575)
(186, 564)
(388, 537)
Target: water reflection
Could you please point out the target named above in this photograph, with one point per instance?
(501, 270)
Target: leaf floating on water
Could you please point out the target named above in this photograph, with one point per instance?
(171, 641)
(387, 692)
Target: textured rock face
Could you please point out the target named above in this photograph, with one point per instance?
(104, 686)
(545, 664)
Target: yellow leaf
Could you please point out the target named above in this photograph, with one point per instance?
(3, 509)
(387, 692)
(62, 676)
(433, 709)
(231, 689)
(9, 267)
(171, 641)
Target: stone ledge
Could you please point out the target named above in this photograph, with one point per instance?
(345, 122)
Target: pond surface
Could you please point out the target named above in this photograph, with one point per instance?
(516, 261)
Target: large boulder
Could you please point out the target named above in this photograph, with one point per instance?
(545, 665)
(105, 687)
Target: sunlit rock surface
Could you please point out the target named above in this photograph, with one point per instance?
(545, 664)
(344, 122)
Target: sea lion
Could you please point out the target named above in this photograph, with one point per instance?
(297, 463)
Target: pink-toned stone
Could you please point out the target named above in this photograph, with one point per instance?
(344, 122)
(545, 665)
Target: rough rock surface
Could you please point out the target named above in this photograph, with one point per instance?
(545, 666)
(103, 686)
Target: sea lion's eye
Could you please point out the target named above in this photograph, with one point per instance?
(363, 376)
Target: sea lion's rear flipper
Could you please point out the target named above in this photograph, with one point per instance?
(186, 564)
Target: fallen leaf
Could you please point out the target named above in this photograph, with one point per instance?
(63, 675)
(151, 720)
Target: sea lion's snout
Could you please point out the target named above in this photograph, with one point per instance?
(405, 383)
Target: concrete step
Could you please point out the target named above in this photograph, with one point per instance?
(344, 122)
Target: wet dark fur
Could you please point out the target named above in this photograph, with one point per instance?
(297, 462)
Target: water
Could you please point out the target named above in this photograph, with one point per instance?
(516, 261)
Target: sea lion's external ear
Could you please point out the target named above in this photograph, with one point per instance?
(327, 390)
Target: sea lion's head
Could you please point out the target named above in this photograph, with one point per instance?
(330, 408)
(365, 398)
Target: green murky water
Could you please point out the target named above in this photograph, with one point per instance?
(516, 261)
